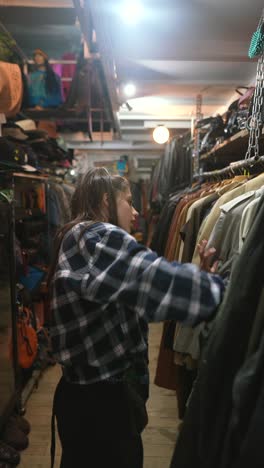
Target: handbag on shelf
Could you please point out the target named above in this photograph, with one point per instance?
(245, 100)
(27, 341)
(215, 130)
(239, 111)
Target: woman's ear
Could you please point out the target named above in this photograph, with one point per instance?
(105, 200)
(105, 208)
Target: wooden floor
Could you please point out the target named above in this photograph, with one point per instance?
(159, 437)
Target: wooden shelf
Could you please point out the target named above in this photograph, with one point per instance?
(25, 175)
(231, 150)
(232, 140)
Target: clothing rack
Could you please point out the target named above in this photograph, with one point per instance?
(232, 169)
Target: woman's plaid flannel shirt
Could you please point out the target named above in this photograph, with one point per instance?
(106, 290)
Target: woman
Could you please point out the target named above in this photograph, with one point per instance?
(44, 85)
(106, 289)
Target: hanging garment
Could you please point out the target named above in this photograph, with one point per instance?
(202, 438)
(69, 191)
(248, 217)
(181, 221)
(54, 210)
(173, 172)
(62, 203)
(181, 204)
(225, 238)
(225, 235)
(174, 232)
(239, 188)
(190, 229)
(244, 444)
(187, 341)
(160, 236)
(169, 375)
(166, 376)
(175, 169)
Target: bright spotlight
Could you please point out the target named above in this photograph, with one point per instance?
(130, 89)
(131, 11)
(161, 134)
(72, 172)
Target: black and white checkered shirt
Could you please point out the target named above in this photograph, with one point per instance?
(106, 290)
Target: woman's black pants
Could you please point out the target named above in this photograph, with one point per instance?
(94, 425)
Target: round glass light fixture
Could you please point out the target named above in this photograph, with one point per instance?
(131, 11)
(129, 89)
(161, 134)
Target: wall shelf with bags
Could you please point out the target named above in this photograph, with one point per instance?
(8, 361)
(233, 149)
(26, 197)
(243, 122)
(241, 137)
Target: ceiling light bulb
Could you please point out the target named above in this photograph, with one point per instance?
(130, 89)
(161, 134)
(131, 11)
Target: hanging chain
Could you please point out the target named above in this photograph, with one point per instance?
(255, 121)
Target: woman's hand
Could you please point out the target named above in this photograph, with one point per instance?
(206, 257)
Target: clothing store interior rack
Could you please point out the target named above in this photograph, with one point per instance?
(19, 184)
(8, 367)
(251, 164)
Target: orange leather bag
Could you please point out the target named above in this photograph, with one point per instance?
(27, 341)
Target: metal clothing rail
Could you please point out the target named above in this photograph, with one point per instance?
(232, 169)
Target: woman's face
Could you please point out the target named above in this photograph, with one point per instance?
(39, 59)
(126, 213)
